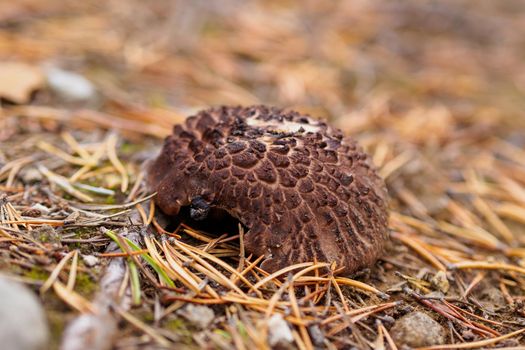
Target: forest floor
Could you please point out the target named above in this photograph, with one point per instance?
(435, 92)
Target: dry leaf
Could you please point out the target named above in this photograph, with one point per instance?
(19, 80)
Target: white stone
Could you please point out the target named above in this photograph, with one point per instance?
(279, 331)
(90, 260)
(201, 316)
(23, 324)
(68, 85)
(41, 208)
(417, 329)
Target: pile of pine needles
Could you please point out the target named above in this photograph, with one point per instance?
(437, 259)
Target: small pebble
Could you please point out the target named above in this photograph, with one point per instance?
(417, 329)
(30, 175)
(316, 335)
(41, 208)
(69, 85)
(90, 260)
(23, 324)
(468, 335)
(279, 331)
(199, 315)
(491, 298)
(387, 320)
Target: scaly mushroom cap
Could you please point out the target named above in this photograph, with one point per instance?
(303, 190)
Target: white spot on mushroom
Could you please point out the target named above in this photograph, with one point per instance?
(284, 126)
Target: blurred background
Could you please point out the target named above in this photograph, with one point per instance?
(350, 61)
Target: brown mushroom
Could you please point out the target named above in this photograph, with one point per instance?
(303, 190)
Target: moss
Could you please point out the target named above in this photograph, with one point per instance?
(84, 232)
(175, 324)
(180, 328)
(46, 234)
(145, 314)
(130, 148)
(148, 317)
(67, 196)
(84, 285)
(57, 324)
(37, 273)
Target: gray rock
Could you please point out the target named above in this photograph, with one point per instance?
(201, 316)
(23, 325)
(36, 210)
(491, 298)
(90, 260)
(417, 329)
(41, 208)
(90, 331)
(316, 334)
(30, 175)
(279, 333)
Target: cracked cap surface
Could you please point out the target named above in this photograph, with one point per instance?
(304, 190)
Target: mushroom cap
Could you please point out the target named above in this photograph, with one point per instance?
(303, 190)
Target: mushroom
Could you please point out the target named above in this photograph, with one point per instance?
(304, 191)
